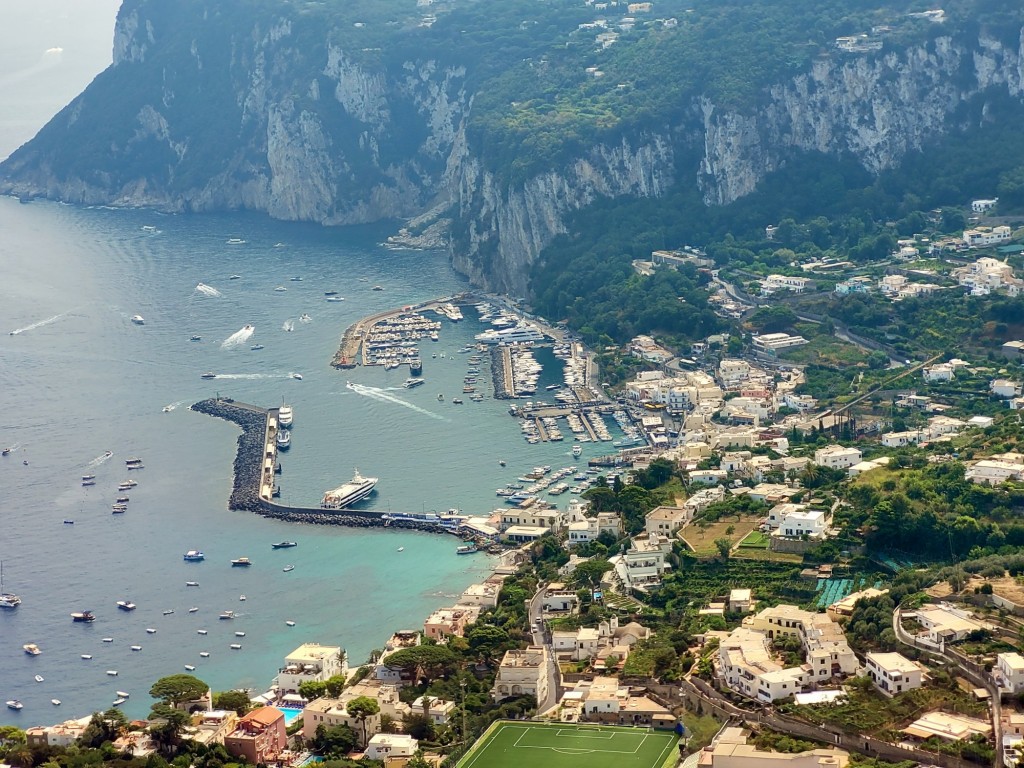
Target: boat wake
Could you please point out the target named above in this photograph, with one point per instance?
(103, 458)
(305, 319)
(172, 406)
(208, 290)
(289, 325)
(40, 324)
(382, 396)
(253, 376)
(238, 338)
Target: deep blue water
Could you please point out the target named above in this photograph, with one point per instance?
(80, 379)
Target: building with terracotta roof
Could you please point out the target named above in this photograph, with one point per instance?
(259, 737)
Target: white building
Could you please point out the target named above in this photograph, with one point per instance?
(311, 662)
(981, 237)
(893, 673)
(772, 342)
(939, 372)
(384, 746)
(708, 476)
(994, 471)
(774, 283)
(1009, 672)
(643, 564)
(666, 521)
(703, 499)
(946, 624)
(779, 512)
(522, 673)
(983, 206)
(1005, 388)
(837, 456)
(812, 523)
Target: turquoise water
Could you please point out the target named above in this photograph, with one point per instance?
(291, 714)
(80, 379)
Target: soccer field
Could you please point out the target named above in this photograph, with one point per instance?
(514, 744)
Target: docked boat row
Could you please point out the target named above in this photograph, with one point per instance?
(392, 341)
(450, 311)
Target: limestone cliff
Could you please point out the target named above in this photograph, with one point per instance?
(281, 114)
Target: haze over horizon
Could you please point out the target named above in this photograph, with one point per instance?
(49, 51)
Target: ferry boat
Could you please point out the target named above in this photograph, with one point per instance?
(31, 649)
(138, 320)
(241, 562)
(467, 549)
(284, 439)
(415, 366)
(357, 489)
(410, 383)
(577, 450)
(126, 605)
(285, 415)
(83, 616)
(284, 545)
(193, 556)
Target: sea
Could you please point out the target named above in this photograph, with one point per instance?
(79, 379)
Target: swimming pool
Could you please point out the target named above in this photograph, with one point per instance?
(291, 714)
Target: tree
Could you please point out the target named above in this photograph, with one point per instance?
(167, 735)
(234, 700)
(486, 639)
(418, 761)
(178, 689)
(361, 708)
(419, 726)
(589, 574)
(312, 689)
(724, 546)
(334, 741)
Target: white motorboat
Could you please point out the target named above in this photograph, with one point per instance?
(39, 678)
(190, 668)
(138, 320)
(117, 702)
(284, 439)
(15, 704)
(108, 639)
(235, 646)
(150, 630)
(112, 672)
(136, 647)
(55, 702)
(201, 631)
(193, 609)
(205, 654)
(239, 634)
(86, 656)
(290, 623)
(285, 415)
(31, 649)
(123, 694)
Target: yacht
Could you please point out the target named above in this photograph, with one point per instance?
(138, 320)
(190, 668)
(108, 639)
(208, 375)
(284, 439)
(195, 337)
(239, 634)
(347, 494)
(112, 672)
(15, 704)
(123, 694)
(236, 646)
(290, 623)
(205, 654)
(284, 545)
(150, 630)
(193, 609)
(330, 293)
(83, 616)
(241, 562)
(55, 702)
(226, 615)
(126, 605)
(335, 298)
(7, 599)
(31, 649)
(236, 241)
(235, 277)
(87, 483)
(280, 289)
(577, 450)
(194, 556)
(191, 583)
(297, 376)
(415, 366)
(86, 656)
(288, 568)
(168, 612)
(256, 347)
(414, 382)
(285, 414)
(515, 335)
(201, 632)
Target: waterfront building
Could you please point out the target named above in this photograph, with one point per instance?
(259, 737)
(311, 662)
(446, 622)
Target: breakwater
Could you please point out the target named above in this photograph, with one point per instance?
(248, 477)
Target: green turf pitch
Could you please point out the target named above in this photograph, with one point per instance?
(568, 745)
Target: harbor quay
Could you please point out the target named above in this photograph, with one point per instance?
(256, 468)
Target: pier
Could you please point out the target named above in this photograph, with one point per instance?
(256, 465)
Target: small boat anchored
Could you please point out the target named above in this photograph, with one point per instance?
(283, 545)
(39, 678)
(241, 562)
(31, 649)
(15, 704)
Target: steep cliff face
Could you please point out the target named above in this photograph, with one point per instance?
(279, 114)
(876, 108)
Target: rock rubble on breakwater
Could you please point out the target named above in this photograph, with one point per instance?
(253, 421)
(498, 374)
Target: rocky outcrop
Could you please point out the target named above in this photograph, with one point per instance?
(277, 114)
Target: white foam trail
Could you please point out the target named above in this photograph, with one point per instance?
(208, 290)
(253, 376)
(171, 406)
(382, 396)
(101, 459)
(40, 324)
(305, 319)
(238, 337)
(289, 325)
